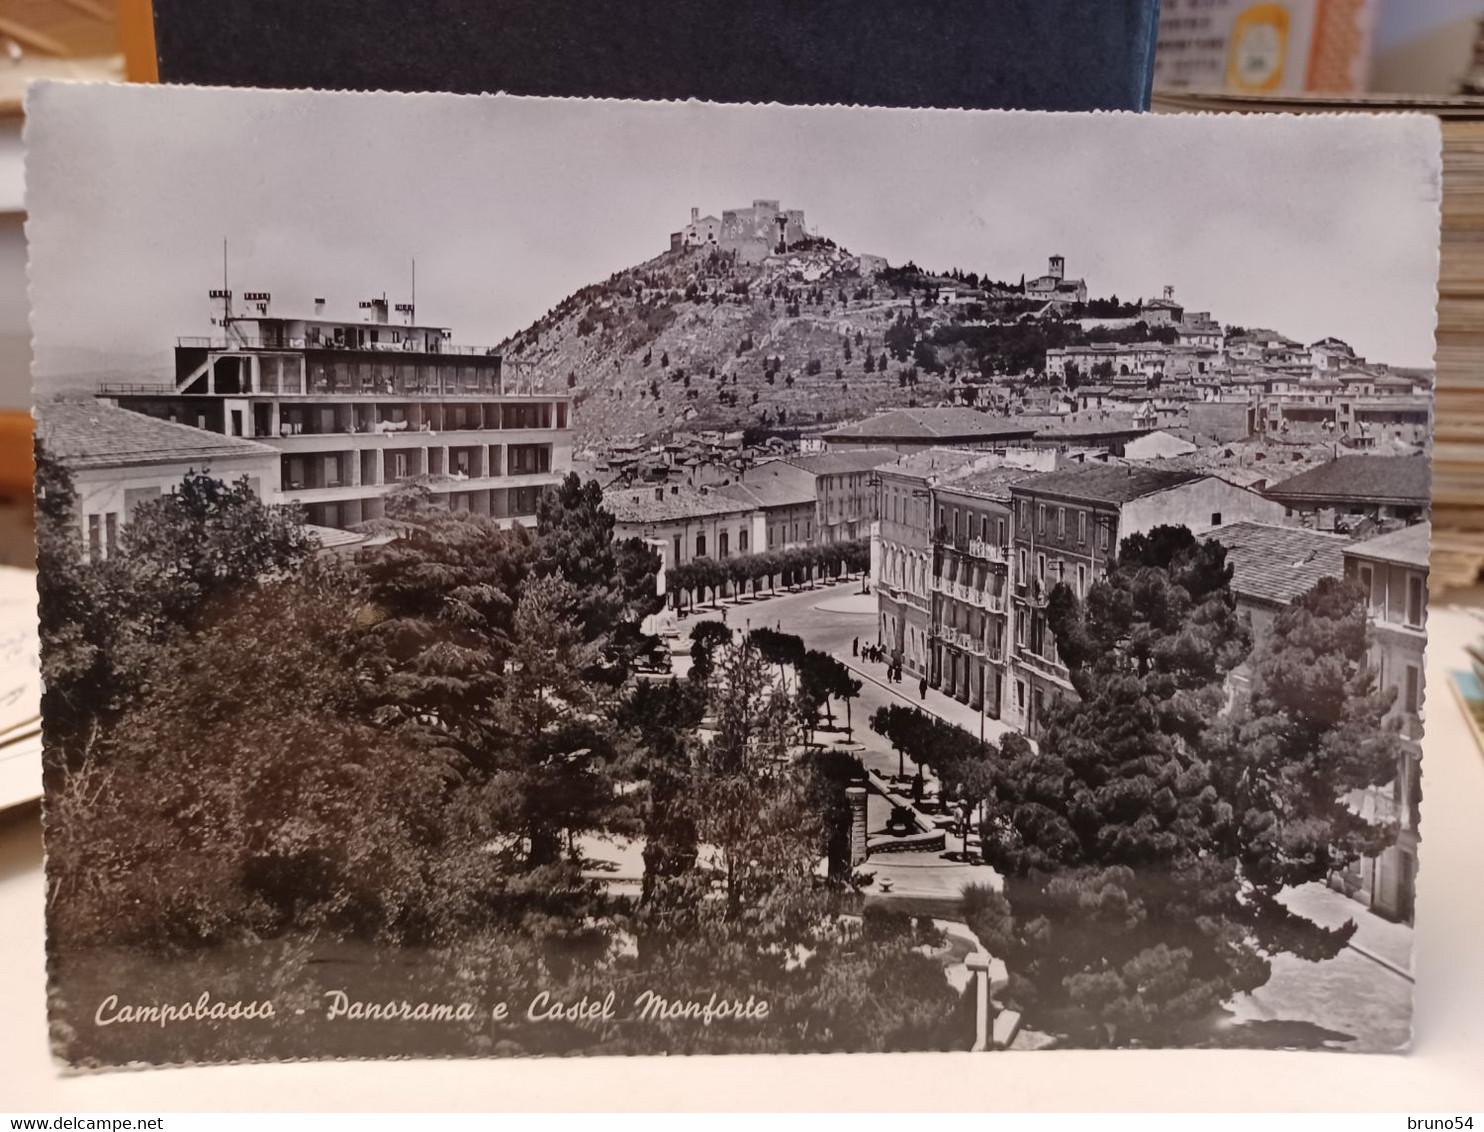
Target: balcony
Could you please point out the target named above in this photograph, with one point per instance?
(980, 599)
(1041, 664)
(249, 342)
(960, 639)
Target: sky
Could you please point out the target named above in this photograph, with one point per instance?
(1313, 226)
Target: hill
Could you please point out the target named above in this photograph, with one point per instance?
(699, 338)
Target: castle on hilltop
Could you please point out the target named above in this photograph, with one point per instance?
(752, 232)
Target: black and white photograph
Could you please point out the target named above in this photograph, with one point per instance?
(530, 576)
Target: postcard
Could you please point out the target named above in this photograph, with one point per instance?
(546, 577)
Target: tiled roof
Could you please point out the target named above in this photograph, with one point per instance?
(668, 504)
(1405, 479)
(1279, 564)
(1108, 484)
(1082, 424)
(990, 483)
(838, 463)
(95, 434)
(775, 484)
(1409, 546)
(929, 424)
(331, 538)
(935, 463)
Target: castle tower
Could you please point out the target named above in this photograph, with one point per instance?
(1058, 268)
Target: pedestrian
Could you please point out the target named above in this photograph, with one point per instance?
(855, 646)
(922, 689)
(723, 615)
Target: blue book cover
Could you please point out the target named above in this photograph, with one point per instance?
(1002, 54)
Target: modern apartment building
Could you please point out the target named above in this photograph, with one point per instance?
(355, 409)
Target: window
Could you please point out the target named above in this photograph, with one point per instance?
(1020, 574)
(1216, 518)
(1416, 601)
(236, 422)
(1040, 518)
(1081, 528)
(1000, 531)
(1081, 580)
(1364, 577)
(1020, 694)
(111, 528)
(95, 537)
(134, 496)
(723, 544)
(675, 543)
(1041, 568)
(1105, 529)
(742, 541)
(399, 465)
(701, 546)
(1412, 695)
(1061, 522)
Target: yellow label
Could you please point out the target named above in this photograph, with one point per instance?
(1259, 44)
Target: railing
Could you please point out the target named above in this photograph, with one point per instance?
(407, 346)
(1041, 664)
(136, 387)
(983, 599)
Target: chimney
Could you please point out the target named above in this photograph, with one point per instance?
(695, 215)
(319, 308)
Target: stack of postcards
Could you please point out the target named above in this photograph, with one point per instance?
(20, 689)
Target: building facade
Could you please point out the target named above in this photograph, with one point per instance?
(785, 496)
(118, 459)
(971, 587)
(1393, 570)
(1067, 526)
(685, 523)
(355, 409)
(902, 551)
(847, 501)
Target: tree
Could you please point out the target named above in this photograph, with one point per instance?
(821, 679)
(181, 556)
(664, 718)
(1313, 730)
(706, 637)
(552, 743)
(221, 817)
(614, 579)
(1136, 901)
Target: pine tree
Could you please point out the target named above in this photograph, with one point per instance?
(1123, 916)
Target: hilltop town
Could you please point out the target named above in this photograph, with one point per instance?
(758, 409)
(752, 325)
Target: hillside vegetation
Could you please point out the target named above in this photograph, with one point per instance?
(701, 339)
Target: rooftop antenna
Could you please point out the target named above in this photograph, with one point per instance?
(410, 309)
(224, 293)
